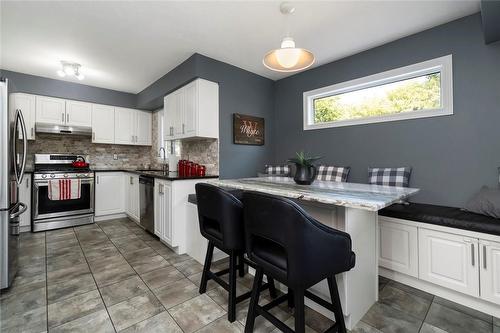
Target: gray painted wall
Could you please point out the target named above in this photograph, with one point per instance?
(31, 84)
(451, 156)
(240, 92)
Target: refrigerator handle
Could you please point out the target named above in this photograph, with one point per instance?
(22, 208)
(20, 120)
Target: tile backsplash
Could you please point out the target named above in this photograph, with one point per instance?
(203, 151)
(100, 155)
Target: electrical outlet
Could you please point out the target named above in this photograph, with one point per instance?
(115, 156)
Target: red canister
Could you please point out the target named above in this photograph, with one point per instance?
(202, 170)
(194, 169)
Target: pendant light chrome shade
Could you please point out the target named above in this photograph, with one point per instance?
(288, 58)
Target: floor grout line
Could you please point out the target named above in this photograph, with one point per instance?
(92, 274)
(46, 285)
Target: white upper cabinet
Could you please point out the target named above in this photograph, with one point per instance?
(490, 270)
(50, 110)
(192, 111)
(25, 103)
(133, 127)
(78, 113)
(169, 103)
(124, 124)
(103, 123)
(144, 124)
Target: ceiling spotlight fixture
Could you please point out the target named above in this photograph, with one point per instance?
(288, 58)
(70, 69)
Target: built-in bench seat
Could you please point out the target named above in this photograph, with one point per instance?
(445, 216)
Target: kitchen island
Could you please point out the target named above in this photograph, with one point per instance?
(348, 207)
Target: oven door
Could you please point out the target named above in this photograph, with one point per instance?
(44, 208)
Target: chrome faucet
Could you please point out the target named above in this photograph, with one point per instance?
(164, 165)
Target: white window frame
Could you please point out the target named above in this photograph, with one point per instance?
(443, 65)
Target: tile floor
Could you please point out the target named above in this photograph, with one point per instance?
(113, 276)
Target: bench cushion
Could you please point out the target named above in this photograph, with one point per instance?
(445, 216)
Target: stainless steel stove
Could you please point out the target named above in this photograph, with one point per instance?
(50, 214)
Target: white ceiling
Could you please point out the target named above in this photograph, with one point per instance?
(127, 45)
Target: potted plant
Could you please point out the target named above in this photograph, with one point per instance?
(306, 171)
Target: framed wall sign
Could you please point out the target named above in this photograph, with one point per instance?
(248, 130)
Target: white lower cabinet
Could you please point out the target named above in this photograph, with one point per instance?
(132, 208)
(171, 213)
(25, 198)
(109, 189)
(490, 271)
(163, 210)
(398, 247)
(449, 260)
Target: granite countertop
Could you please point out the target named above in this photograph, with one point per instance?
(155, 173)
(353, 195)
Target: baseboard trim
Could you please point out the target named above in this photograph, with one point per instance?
(451, 295)
(110, 217)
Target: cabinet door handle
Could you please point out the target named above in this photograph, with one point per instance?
(28, 185)
(183, 128)
(62, 119)
(484, 256)
(93, 136)
(67, 117)
(97, 180)
(131, 181)
(472, 251)
(32, 132)
(132, 138)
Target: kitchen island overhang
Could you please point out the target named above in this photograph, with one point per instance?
(349, 207)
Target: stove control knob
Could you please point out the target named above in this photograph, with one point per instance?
(65, 175)
(44, 176)
(86, 175)
(52, 176)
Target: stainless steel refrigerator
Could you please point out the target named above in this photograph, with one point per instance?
(13, 146)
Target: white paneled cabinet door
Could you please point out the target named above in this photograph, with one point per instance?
(103, 123)
(158, 204)
(124, 126)
(169, 108)
(78, 113)
(490, 271)
(398, 247)
(25, 197)
(132, 196)
(25, 103)
(167, 213)
(449, 260)
(109, 193)
(178, 118)
(144, 128)
(190, 108)
(50, 110)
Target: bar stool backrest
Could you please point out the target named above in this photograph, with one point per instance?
(283, 239)
(220, 215)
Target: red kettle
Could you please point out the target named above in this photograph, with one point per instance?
(79, 162)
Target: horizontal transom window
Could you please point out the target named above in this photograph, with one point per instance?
(415, 91)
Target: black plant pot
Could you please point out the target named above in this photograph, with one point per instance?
(305, 175)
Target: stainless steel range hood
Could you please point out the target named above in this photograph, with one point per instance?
(61, 129)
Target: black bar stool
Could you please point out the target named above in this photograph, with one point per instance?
(221, 222)
(290, 246)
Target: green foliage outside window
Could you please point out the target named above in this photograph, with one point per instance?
(423, 93)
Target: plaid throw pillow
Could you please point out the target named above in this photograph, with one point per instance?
(389, 176)
(333, 173)
(278, 170)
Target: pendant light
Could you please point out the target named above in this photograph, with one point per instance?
(288, 58)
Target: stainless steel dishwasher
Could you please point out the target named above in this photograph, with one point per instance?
(147, 202)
